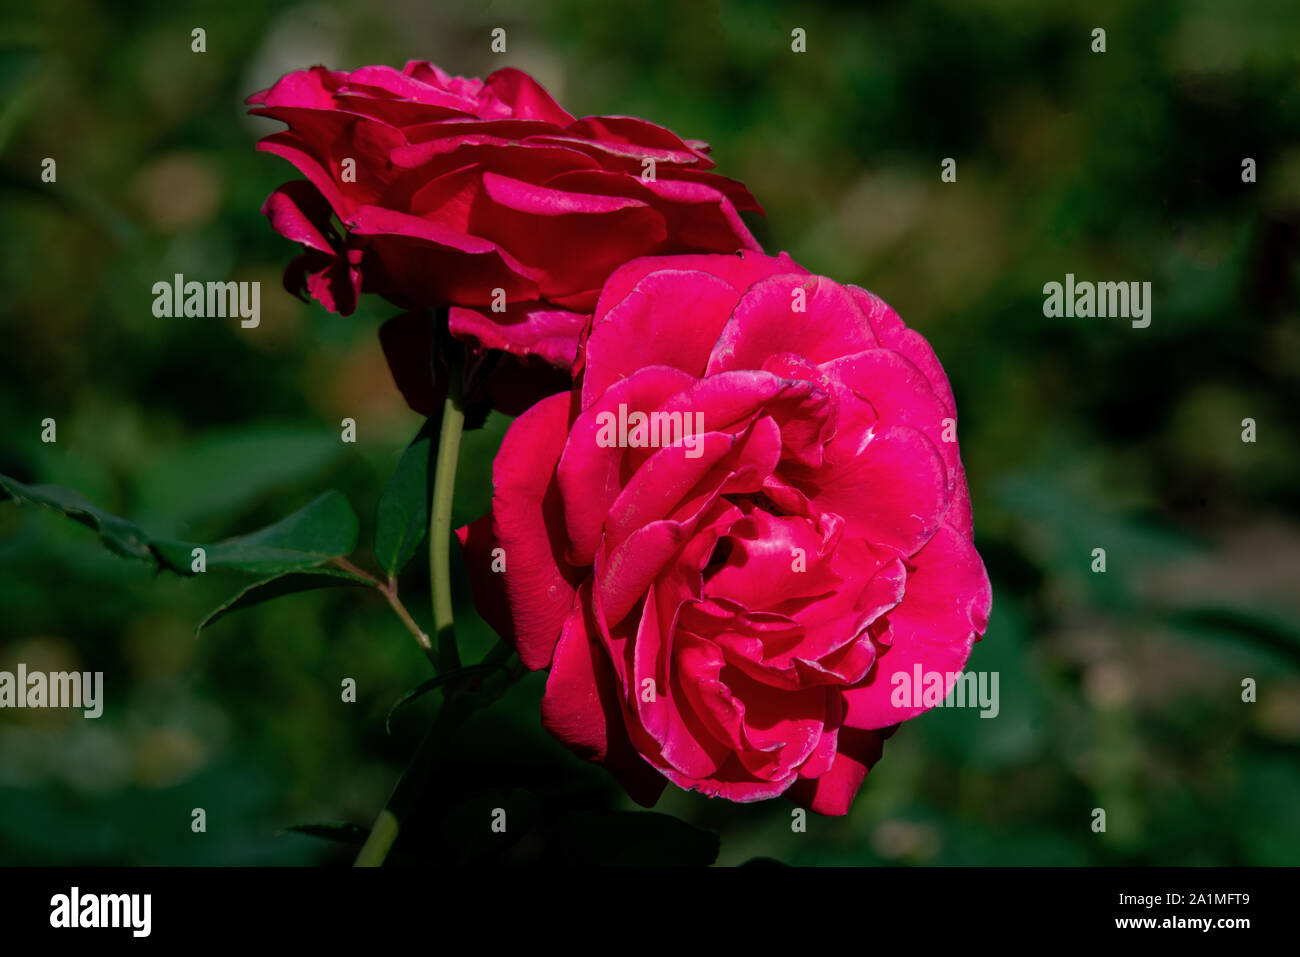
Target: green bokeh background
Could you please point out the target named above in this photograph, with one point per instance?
(1119, 691)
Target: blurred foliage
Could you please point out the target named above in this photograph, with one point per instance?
(1120, 691)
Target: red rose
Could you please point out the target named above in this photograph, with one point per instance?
(451, 189)
(722, 597)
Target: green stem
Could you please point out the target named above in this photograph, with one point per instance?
(455, 709)
(382, 835)
(469, 693)
(457, 703)
(389, 591)
(444, 487)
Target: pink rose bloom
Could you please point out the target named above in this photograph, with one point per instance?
(723, 604)
(450, 189)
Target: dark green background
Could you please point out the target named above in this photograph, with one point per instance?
(1119, 691)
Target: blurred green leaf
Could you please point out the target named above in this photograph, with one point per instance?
(75, 200)
(227, 470)
(118, 535)
(21, 73)
(402, 516)
(1268, 794)
(287, 584)
(1075, 519)
(323, 529)
(1063, 524)
(1273, 632)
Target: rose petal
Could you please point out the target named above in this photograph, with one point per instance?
(828, 325)
(944, 611)
(528, 328)
(528, 523)
(526, 97)
(580, 707)
(832, 793)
